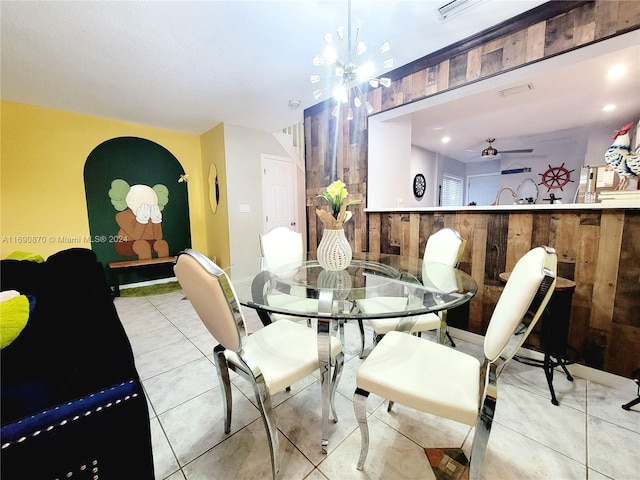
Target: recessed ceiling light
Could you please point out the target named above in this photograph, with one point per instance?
(608, 108)
(616, 71)
(446, 139)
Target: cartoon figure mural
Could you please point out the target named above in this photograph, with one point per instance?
(139, 218)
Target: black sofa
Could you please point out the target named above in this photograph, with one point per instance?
(72, 402)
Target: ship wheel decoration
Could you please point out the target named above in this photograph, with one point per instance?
(556, 177)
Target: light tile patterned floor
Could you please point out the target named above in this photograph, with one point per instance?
(588, 436)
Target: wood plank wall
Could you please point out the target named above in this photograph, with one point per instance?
(597, 249)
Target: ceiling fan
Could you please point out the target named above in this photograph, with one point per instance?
(490, 151)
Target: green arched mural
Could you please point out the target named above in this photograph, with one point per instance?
(137, 208)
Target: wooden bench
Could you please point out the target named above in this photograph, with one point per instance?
(119, 267)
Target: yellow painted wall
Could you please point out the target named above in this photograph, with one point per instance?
(213, 152)
(42, 159)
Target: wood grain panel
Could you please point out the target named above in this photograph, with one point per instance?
(628, 14)
(514, 52)
(564, 235)
(474, 65)
(478, 241)
(559, 34)
(458, 70)
(623, 340)
(604, 286)
(491, 63)
(414, 236)
(627, 299)
(518, 237)
(496, 259)
(535, 42)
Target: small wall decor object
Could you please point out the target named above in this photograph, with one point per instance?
(620, 157)
(419, 185)
(556, 177)
(139, 218)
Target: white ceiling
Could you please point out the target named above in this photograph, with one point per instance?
(561, 99)
(188, 65)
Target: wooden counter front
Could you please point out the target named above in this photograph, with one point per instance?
(598, 248)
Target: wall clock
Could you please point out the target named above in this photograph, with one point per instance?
(419, 185)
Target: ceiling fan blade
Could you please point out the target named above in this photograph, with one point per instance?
(522, 150)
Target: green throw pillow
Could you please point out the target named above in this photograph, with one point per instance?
(32, 257)
(14, 314)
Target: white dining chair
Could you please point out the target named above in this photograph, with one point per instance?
(446, 247)
(270, 359)
(282, 253)
(432, 378)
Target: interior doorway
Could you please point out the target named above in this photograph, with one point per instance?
(279, 198)
(482, 188)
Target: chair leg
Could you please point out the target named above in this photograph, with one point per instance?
(225, 384)
(264, 404)
(360, 408)
(361, 328)
(483, 430)
(337, 373)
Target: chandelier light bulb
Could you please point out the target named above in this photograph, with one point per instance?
(340, 32)
(335, 111)
(385, 82)
(365, 71)
(330, 54)
(369, 108)
(374, 82)
(314, 78)
(350, 114)
(357, 102)
(388, 63)
(317, 93)
(384, 48)
(318, 61)
(328, 38)
(340, 93)
(362, 47)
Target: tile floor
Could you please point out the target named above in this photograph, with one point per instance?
(588, 436)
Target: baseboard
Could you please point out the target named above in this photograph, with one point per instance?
(149, 282)
(581, 371)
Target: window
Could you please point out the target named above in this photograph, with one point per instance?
(451, 194)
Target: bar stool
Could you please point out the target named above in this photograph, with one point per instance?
(554, 331)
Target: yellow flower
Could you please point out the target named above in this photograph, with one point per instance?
(335, 195)
(336, 188)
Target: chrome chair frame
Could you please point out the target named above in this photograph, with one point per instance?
(234, 342)
(490, 368)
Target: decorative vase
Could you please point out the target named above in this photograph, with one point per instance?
(334, 251)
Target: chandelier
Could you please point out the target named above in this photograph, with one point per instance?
(349, 72)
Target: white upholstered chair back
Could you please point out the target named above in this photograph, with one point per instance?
(281, 249)
(521, 303)
(211, 293)
(444, 246)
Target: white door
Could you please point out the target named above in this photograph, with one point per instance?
(482, 188)
(279, 193)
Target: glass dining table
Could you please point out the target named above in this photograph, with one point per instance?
(402, 288)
